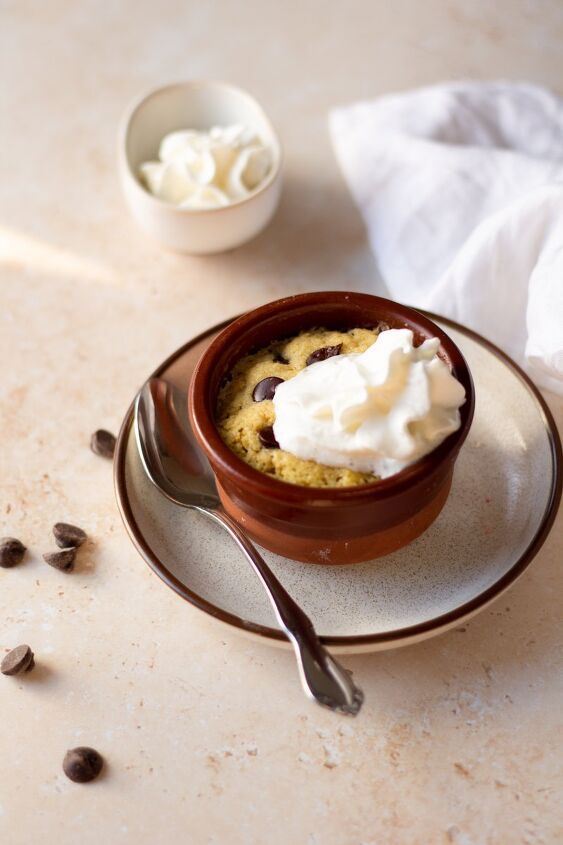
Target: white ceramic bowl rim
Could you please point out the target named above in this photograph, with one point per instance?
(142, 99)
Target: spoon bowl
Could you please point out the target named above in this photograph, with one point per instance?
(169, 453)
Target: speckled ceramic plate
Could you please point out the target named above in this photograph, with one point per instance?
(506, 490)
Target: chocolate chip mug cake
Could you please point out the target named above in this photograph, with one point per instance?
(377, 416)
(245, 410)
(339, 408)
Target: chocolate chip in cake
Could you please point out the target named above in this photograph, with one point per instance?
(279, 358)
(11, 552)
(267, 438)
(19, 659)
(323, 353)
(82, 764)
(266, 388)
(67, 535)
(102, 443)
(63, 560)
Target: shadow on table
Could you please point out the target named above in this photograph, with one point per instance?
(316, 240)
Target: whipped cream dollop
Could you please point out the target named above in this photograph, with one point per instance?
(376, 411)
(207, 169)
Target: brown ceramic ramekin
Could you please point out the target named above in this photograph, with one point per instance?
(317, 524)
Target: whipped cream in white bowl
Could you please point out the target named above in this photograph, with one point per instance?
(207, 169)
(214, 205)
(377, 411)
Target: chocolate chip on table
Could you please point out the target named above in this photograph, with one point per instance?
(19, 659)
(323, 353)
(102, 443)
(67, 535)
(266, 388)
(82, 764)
(267, 438)
(11, 552)
(63, 560)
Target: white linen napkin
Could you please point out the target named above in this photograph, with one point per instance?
(461, 189)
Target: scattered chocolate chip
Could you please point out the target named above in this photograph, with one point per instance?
(102, 443)
(11, 552)
(323, 353)
(63, 560)
(267, 438)
(266, 388)
(82, 764)
(19, 659)
(279, 358)
(67, 535)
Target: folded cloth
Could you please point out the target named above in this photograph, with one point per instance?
(461, 189)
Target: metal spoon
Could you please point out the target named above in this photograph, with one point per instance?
(176, 465)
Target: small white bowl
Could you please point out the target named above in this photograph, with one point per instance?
(195, 105)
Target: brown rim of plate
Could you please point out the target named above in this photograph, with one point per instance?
(444, 620)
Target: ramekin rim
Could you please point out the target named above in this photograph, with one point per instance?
(225, 461)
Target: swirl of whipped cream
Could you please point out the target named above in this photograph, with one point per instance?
(377, 411)
(207, 169)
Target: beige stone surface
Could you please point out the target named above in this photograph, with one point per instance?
(207, 737)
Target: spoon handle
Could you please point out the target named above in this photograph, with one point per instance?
(322, 677)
